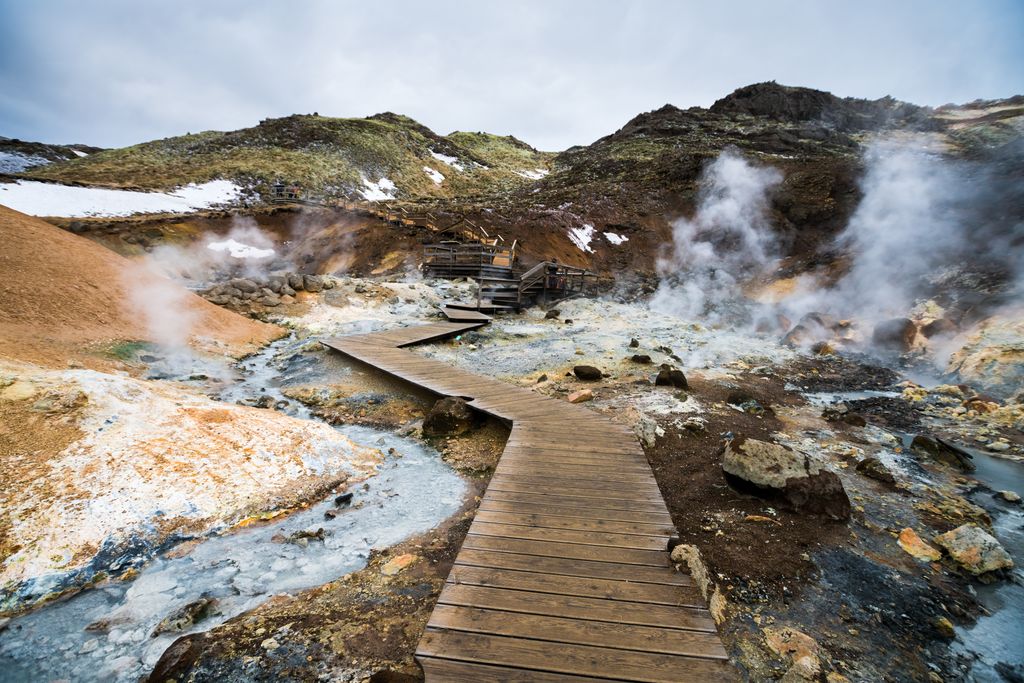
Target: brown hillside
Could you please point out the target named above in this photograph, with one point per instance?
(64, 297)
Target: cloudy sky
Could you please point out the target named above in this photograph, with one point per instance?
(554, 73)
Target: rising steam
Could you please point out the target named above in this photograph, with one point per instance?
(728, 241)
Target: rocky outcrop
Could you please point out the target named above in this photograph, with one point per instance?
(896, 335)
(449, 416)
(272, 291)
(974, 549)
(798, 480)
(670, 376)
(942, 452)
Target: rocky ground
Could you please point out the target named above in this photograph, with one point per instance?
(871, 550)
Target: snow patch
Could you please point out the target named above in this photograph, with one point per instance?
(615, 239)
(445, 159)
(239, 250)
(79, 153)
(378, 191)
(581, 237)
(12, 162)
(434, 174)
(50, 199)
(535, 174)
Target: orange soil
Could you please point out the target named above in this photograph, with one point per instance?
(62, 297)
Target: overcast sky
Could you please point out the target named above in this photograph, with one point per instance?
(555, 74)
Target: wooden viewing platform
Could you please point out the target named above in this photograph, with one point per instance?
(564, 574)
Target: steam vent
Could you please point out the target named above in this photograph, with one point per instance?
(527, 378)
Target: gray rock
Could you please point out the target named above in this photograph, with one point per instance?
(295, 282)
(270, 300)
(244, 285)
(778, 471)
(552, 314)
(974, 549)
(329, 282)
(276, 282)
(875, 469)
(186, 617)
(313, 283)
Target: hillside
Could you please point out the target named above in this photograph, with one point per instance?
(19, 155)
(64, 298)
(331, 157)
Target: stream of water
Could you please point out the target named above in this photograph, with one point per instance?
(106, 633)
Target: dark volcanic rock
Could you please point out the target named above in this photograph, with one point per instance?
(942, 452)
(895, 335)
(186, 617)
(641, 358)
(669, 376)
(311, 283)
(587, 373)
(873, 468)
(938, 328)
(552, 314)
(451, 415)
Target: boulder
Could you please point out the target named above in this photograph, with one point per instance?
(313, 283)
(186, 617)
(669, 376)
(276, 283)
(270, 300)
(874, 469)
(896, 334)
(587, 373)
(581, 396)
(777, 471)
(552, 314)
(641, 358)
(974, 549)
(942, 452)
(939, 328)
(449, 416)
(295, 281)
(244, 285)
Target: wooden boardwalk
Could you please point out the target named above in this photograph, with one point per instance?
(564, 574)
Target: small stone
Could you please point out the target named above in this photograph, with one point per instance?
(270, 644)
(669, 376)
(553, 314)
(999, 446)
(397, 564)
(913, 544)
(449, 416)
(945, 628)
(343, 499)
(875, 469)
(88, 646)
(542, 378)
(643, 359)
(634, 343)
(581, 396)
(1009, 496)
(587, 373)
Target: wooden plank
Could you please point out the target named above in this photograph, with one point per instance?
(598, 516)
(556, 489)
(570, 551)
(634, 488)
(531, 518)
(607, 589)
(579, 632)
(581, 568)
(622, 665)
(450, 671)
(595, 538)
(655, 511)
(575, 607)
(513, 468)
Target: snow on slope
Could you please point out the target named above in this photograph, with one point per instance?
(50, 199)
(581, 237)
(382, 190)
(12, 162)
(434, 174)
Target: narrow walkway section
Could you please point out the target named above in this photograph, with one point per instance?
(564, 574)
